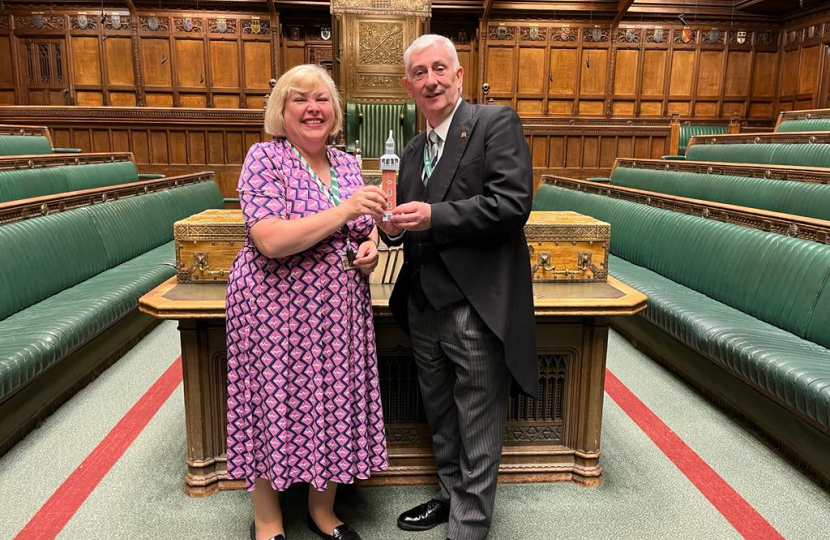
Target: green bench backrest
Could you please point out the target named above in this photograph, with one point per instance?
(780, 280)
(804, 155)
(689, 131)
(373, 130)
(804, 124)
(799, 198)
(20, 145)
(51, 253)
(25, 183)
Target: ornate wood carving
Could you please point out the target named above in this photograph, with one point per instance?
(419, 8)
(628, 35)
(256, 27)
(501, 33)
(805, 115)
(380, 43)
(83, 22)
(117, 22)
(740, 38)
(533, 33)
(767, 38)
(39, 22)
(188, 25)
(222, 26)
(155, 24)
(564, 34)
(685, 36)
(596, 35)
(380, 81)
(4, 21)
(802, 228)
(657, 35)
(714, 36)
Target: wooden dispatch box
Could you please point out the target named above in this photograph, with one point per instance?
(567, 246)
(207, 244)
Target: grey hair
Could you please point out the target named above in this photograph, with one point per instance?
(425, 41)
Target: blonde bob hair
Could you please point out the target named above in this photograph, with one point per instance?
(304, 78)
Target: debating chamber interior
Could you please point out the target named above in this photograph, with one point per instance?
(679, 247)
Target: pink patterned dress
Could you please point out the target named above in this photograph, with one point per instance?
(303, 395)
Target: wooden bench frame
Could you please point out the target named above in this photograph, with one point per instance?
(804, 228)
(675, 124)
(812, 175)
(792, 137)
(804, 114)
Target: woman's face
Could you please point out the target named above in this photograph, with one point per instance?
(308, 117)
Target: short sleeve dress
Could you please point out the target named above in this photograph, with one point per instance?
(303, 394)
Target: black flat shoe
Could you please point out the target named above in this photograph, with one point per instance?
(341, 532)
(425, 516)
(253, 534)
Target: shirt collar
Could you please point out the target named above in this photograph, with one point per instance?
(444, 127)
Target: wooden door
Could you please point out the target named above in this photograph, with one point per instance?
(44, 71)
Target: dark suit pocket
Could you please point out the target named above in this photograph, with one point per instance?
(469, 167)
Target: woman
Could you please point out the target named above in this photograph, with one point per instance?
(303, 395)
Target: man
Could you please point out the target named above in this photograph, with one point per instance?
(464, 291)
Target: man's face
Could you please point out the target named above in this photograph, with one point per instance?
(432, 83)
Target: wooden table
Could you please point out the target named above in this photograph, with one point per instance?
(554, 438)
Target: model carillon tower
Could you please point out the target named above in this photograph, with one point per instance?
(389, 165)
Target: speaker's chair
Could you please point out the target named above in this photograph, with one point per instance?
(370, 123)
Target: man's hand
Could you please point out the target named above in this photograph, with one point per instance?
(389, 227)
(413, 216)
(367, 257)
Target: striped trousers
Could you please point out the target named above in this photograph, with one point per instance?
(465, 386)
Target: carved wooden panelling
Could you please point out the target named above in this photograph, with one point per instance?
(257, 61)
(222, 26)
(190, 25)
(380, 43)
(190, 56)
(39, 22)
(155, 60)
(4, 22)
(83, 22)
(596, 35)
(628, 35)
(256, 27)
(86, 59)
(120, 61)
(117, 22)
(224, 64)
(154, 23)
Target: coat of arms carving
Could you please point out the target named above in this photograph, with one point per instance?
(325, 33)
(596, 34)
(115, 19)
(187, 24)
(741, 38)
(83, 21)
(255, 26)
(658, 35)
(153, 23)
(534, 33)
(37, 21)
(222, 25)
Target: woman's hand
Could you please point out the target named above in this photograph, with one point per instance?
(366, 200)
(367, 257)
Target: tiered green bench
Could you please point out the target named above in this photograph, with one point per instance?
(802, 191)
(28, 140)
(806, 120)
(69, 293)
(680, 133)
(742, 313)
(37, 176)
(801, 149)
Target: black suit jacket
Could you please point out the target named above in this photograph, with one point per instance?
(480, 193)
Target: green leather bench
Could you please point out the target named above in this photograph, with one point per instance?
(370, 123)
(38, 178)
(741, 313)
(69, 298)
(811, 120)
(804, 155)
(28, 140)
(789, 197)
(689, 131)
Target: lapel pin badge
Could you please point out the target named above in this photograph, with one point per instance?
(463, 134)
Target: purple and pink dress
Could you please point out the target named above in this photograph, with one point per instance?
(303, 394)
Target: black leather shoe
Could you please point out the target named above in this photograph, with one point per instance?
(341, 532)
(253, 534)
(425, 516)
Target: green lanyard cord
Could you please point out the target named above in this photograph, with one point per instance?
(332, 193)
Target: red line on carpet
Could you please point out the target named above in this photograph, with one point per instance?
(62, 505)
(746, 520)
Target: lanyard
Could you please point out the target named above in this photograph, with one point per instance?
(333, 193)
